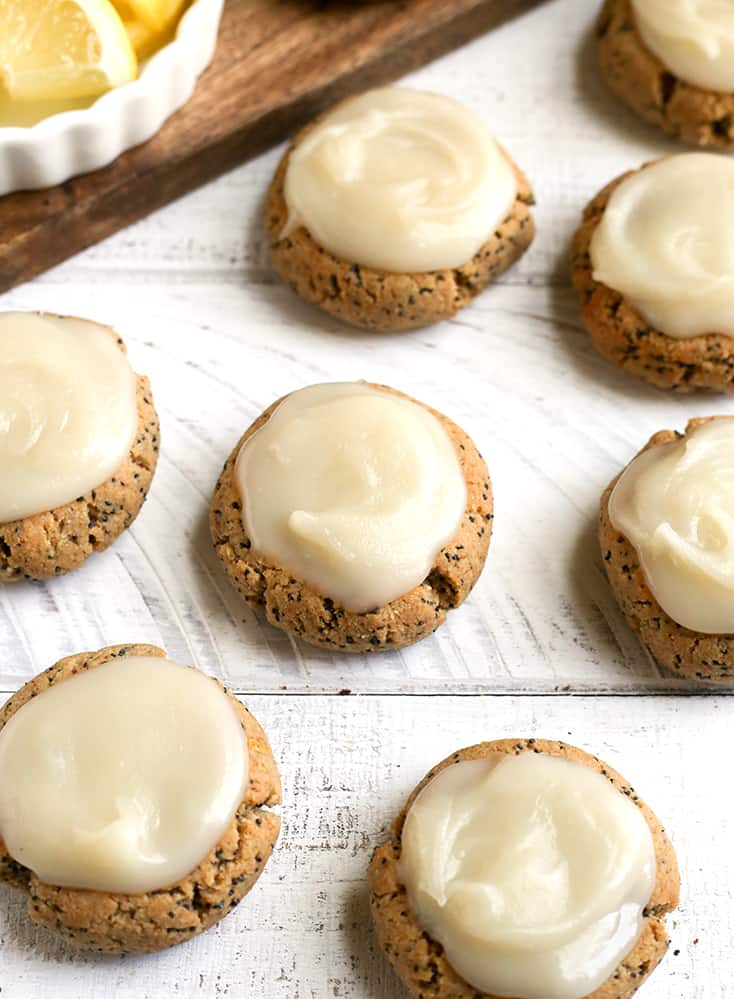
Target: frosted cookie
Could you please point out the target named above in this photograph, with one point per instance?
(524, 868)
(396, 208)
(78, 442)
(653, 264)
(667, 540)
(672, 62)
(134, 798)
(355, 516)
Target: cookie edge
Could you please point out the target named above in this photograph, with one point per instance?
(655, 629)
(25, 542)
(47, 904)
(391, 909)
(352, 292)
(266, 585)
(625, 339)
(691, 114)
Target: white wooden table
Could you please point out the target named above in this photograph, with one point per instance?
(539, 648)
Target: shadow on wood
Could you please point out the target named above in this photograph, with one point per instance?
(276, 65)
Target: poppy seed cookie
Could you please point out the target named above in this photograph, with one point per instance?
(151, 921)
(420, 961)
(297, 607)
(636, 75)
(375, 299)
(624, 337)
(685, 653)
(57, 541)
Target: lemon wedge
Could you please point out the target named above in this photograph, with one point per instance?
(149, 23)
(144, 41)
(158, 15)
(63, 49)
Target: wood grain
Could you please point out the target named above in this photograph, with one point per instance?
(348, 763)
(191, 289)
(276, 64)
(515, 370)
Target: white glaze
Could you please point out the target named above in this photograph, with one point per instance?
(694, 38)
(68, 413)
(531, 871)
(205, 273)
(675, 504)
(666, 242)
(122, 778)
(353, 489)
(399, 180)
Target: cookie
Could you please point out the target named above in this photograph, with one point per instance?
(58, 541)
(141, 923)
(686, 653)
(420, 961)
(622, 335)
(379, 299)
(297, 607)
(689, 113)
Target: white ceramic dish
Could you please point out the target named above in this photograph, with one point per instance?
(74, 142)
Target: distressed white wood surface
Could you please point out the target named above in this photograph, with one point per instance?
(191, 291)
(347, 764)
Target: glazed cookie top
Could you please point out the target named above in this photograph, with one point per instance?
(123, 778)
(532, 871)
(693, 38)
(666, 242)
(674, 503)
(353, 489)
(68, 412)
(399, 180)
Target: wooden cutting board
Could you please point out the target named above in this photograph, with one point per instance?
(278, 62)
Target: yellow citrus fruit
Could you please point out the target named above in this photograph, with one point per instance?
(63, 49)
(149, 23)
(158, 16)
(144, 41)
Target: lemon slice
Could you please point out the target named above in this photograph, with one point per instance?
(157, 15)
(63, 49)
(149, 23)
(144, 41)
